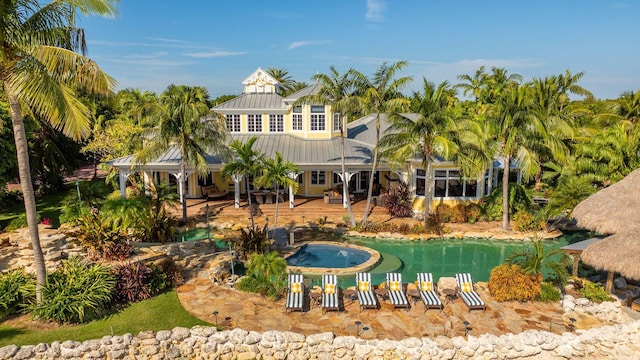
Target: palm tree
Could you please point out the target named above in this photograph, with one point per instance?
(432, 133)
(339, 91)
(517, 131)
(532, 262)
(287, 84)
(247, 163)
(381, 95)
(40, 72)
(185, 122)
(474, 85)
(275, 172)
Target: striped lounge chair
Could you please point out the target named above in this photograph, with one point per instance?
(364, 290)
(427, 290)
(330, 293)
(395, 288)
(295, 293)
(468, 294)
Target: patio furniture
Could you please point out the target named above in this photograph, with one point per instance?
(330, 293)
(468, 294)
(364, 290)
(295, 293)
(212, 192)
(259, 195)
(428, 292)
(396, 294)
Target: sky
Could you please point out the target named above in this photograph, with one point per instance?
(217, 44)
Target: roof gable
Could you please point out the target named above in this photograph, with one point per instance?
(260, 83)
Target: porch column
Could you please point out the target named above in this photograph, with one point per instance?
(292, 176)
(236, 189)
(123, 175)
(345, 183)
(145, 179)
(180, 185)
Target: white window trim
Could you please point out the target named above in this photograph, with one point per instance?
(433, 179)
(257, 122)
(278, 123)
(323, 122)
(312, 172)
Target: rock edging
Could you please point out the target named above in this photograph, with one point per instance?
(621, 341)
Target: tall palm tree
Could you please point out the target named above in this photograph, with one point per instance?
(186, 122)
(518, 132)
(339, 91)
(473, 85)
(247, 163)
(432, 133)
(275, 172)
(381, 95)
(42, 64)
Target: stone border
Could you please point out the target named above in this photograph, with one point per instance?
(374, 259)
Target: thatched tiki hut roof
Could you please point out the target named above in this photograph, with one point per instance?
(613, 209)
(617, 253)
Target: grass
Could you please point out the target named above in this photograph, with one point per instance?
(163, 312)
(49, 206)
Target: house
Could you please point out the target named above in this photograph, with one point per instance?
(308, 135)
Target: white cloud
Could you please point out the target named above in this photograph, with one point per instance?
(375, 10)
(297, 44)
(214, 54)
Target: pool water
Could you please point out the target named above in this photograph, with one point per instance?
(199, 234)
(447, 257)
(327, 256)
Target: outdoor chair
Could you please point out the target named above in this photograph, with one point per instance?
(467, 293)
(428, 292)
(295, 293)
(330, 293)
(395, 288)
(364, 290)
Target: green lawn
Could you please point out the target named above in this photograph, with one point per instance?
(48, 206)
(163, 312)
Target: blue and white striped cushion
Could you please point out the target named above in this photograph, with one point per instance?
(330, 301)
(396, 297)
(295, 300)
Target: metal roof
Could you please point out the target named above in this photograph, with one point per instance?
(309, 90)
(318, 154)
(253, 102)
(580, 246)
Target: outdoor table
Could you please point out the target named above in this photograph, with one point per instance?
(415, 295)
(382, 294)
(316, 298)
(451, 294)
(350, 294)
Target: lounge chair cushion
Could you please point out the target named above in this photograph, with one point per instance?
(394, 285)
(363, 286)
(330, 288)
(296, 287)
(466, 287)
(427, 286)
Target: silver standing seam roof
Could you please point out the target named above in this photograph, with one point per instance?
(319, 154)
(250, 102)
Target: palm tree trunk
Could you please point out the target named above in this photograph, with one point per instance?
(22, 152)
(427, 190)
(183, 193)
(345, 183)
(373, 171)
(505, 194)
(246, 184)
(275, 217)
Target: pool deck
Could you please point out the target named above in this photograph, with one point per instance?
(254, 312)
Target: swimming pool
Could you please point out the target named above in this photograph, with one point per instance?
(446, 257)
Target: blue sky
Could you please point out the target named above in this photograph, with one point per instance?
(217, 44)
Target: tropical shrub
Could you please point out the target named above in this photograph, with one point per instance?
(534, 260)
(434, 226)
(548, 293)
(266, 274)
(72, 213)
(14, 291)
(519, 200)
(473, 212)
(77, 292)
(253, 240)
(101, 240)
(458, 214)
(444, 212)
(399, 201)
(508, 282)
(592, 291)
(10, 198)
(172, 273)
(19, 222)
(132, 282)
(525, 221)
